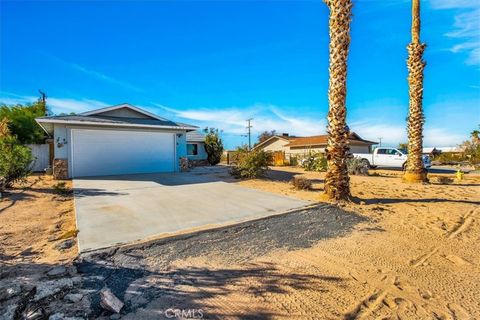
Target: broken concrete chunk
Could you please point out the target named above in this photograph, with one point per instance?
(109, 301)
(57, 316)
(10, 291)
(48, 288)
(73, 297)
(57, 272)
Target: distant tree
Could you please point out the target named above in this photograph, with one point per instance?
(475, 134)
(213, 146)
(21, 120)
(403, 145)
(471, 148)
(265, 135)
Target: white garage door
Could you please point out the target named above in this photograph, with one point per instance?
(108, 152)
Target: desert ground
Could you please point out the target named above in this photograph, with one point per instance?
(397, 251)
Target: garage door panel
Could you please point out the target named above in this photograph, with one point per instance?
(108, 152)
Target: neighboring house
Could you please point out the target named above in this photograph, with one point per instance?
(304, 145)
(275, 143)
(196, 147)
(121, 139)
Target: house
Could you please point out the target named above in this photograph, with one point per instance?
(196, 147)
(301, 146)
(121, 139)
(275, 143)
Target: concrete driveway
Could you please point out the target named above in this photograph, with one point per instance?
(121, 209)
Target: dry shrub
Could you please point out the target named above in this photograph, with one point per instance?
(357, 166)
(301, 183)
(441, 180)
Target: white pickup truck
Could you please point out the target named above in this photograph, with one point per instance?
(388, 157)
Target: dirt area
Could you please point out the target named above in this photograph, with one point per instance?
(34, 219)
(397, 251)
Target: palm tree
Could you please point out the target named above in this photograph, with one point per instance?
(337, 182)
(415, 171)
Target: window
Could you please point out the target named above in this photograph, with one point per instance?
(392, 152)
(381, 151)
(192, 149)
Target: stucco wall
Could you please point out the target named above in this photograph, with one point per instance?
(60, 141)
(181, 147)
(202, 154)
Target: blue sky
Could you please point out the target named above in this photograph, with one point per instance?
(217, 63)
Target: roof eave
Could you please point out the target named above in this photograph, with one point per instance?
(126, 125)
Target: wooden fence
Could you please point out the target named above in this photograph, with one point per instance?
(41, 156)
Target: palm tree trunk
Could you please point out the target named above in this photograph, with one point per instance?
(415, 171)
(337, 184)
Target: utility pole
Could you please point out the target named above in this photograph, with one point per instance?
(380, 138)
(43, 98)
(249, 127)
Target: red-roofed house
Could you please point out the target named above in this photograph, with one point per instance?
(303, 145)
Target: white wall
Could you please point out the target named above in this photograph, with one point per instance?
(41, 154)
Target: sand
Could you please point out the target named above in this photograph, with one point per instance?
(415, 254)
(418, 256)
(34, 218)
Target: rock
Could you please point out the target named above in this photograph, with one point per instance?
(10, 291)
(73, 297)
(109, 301)
(57, 272)
(115, 316)
(66, 244)
(362, 203)
(48, 288)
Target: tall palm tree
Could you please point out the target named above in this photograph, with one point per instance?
(337, 182)
(415, 171)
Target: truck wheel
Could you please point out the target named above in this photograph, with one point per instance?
(365, 162)
(404, 166)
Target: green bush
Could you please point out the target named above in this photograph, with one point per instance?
(315, 161)
(15, 161)
(250, 164)
(213, 146)
(21, 121)
(357, 166)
